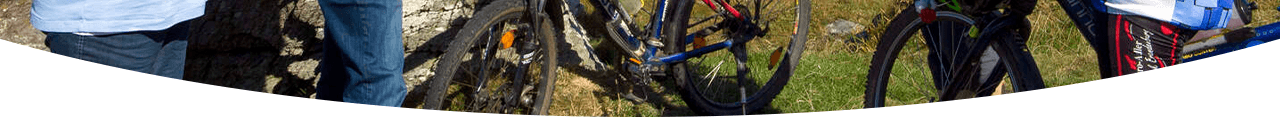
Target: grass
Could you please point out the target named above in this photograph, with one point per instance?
(831, 73)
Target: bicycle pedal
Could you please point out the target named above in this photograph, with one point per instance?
(526, 100)
(643, 81)
(633, 97)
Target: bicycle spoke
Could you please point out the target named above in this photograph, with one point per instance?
(922, 91)
(944, 74)
(488, 62)
(704, 20)
(714, 71)
(741, 89)
(770, 3)
(775, 10)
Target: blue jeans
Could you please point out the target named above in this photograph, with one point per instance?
(363, 54)
(161, 53)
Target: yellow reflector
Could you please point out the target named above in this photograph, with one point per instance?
(973, 32)
(634, 60)
(773, 58)
(698, 42)
(507, 38)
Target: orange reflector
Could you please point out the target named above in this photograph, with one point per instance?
(773, 58)
(634, 60)
(507, 38)
(699, 43)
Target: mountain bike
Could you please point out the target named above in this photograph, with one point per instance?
(971, 47)
(969, 52)
(669, 46)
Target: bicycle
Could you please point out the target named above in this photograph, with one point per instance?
(665, 48)
(970, 51)
(968, 56)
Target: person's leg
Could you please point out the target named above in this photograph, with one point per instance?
(1092, 24)
(172, 56)
(1102, 44)
(364, 57)
(133, 51)
(1140, 44)
(65, 44)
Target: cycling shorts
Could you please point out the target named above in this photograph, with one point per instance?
(1132, 43)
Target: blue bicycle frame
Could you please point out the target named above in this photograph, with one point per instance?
(650, 54)
(1263, 34)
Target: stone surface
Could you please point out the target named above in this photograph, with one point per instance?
(843, 27)
(275, 46)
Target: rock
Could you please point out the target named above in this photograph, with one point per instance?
(276, 46)
(577, 41)
(451, 6)
(631, 6)
(843, 27)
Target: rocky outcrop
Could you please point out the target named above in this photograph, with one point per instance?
(274, 46)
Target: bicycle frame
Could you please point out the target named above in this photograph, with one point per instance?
(650, 55)
(537, 12)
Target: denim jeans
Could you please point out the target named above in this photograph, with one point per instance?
(162, 52)
(363, 54)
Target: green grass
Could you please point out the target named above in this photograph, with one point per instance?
(824, 83)
(831, 74)
(1062, 54)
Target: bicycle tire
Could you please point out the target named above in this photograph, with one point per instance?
(675, 30)
(494, 13)
(1024, 74)
(1010, 46)
(542, 103)
(1013, 57)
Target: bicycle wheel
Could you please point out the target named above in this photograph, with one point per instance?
(773, 36)
(500, 56)
(959, 65)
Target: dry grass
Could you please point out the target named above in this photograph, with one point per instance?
(574, 96)
(831, 73)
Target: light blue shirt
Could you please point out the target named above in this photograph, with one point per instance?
(107, 16)
(1187, 14)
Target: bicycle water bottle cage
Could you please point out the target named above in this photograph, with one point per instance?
(925, 10)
